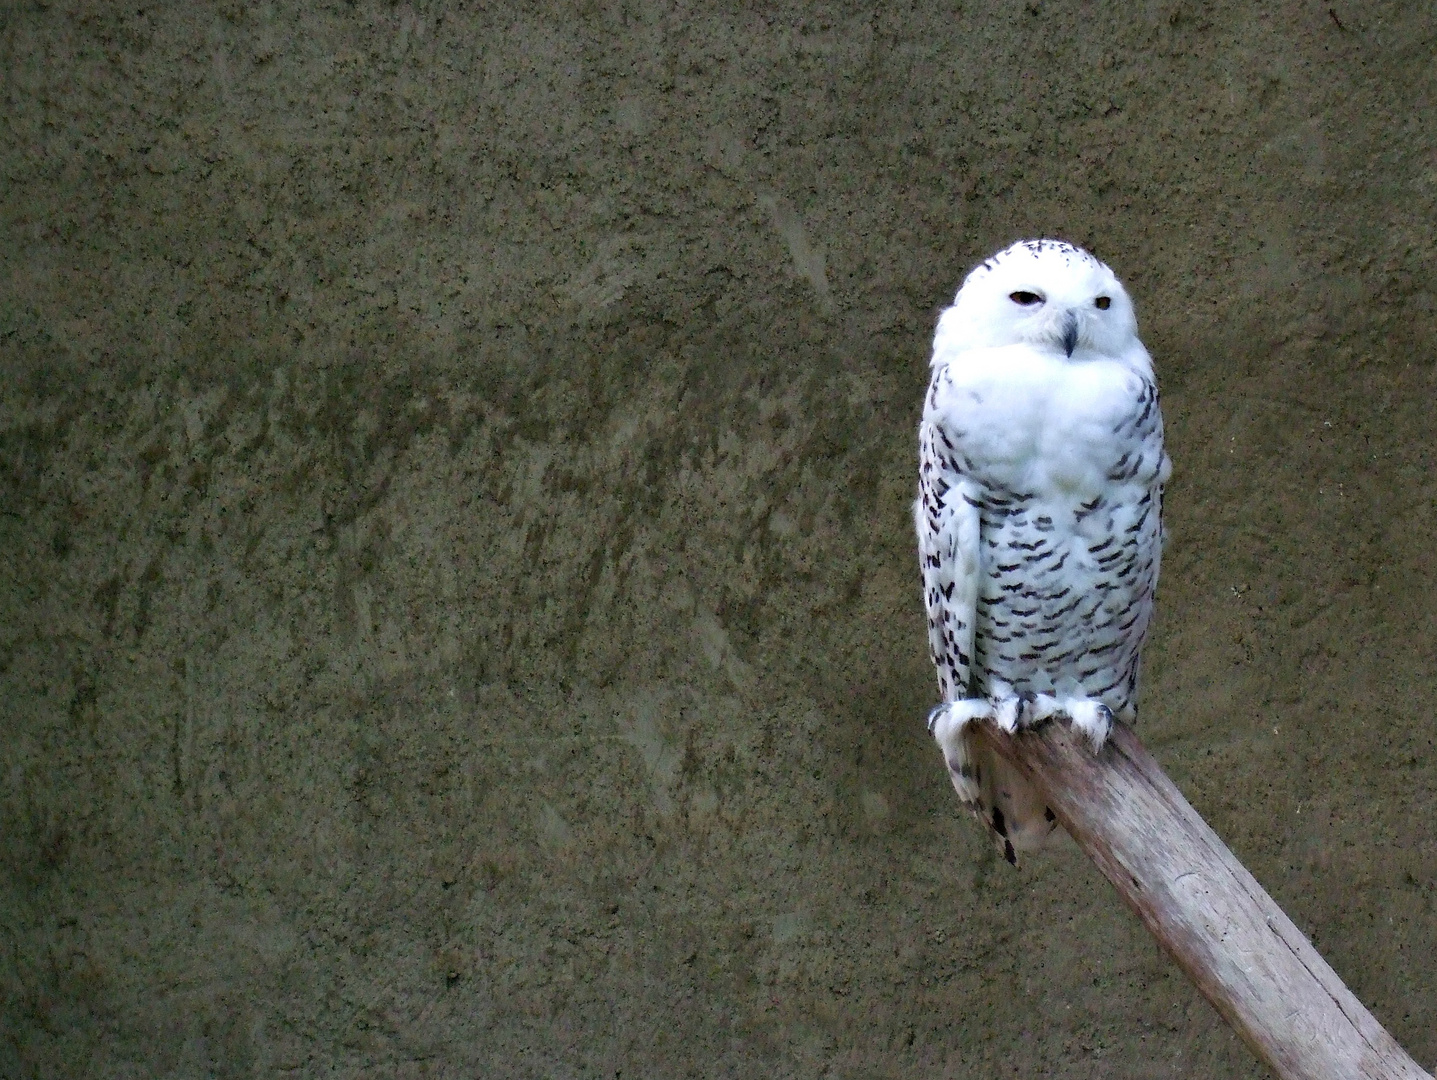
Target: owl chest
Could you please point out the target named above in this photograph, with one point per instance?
(1064, 438)
(1063, 594)
(1038, 559)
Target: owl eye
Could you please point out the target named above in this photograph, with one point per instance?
(1025, 298)
(1102, 303)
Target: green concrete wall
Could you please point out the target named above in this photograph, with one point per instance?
(458, 613)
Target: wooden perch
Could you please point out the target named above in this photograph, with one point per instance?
(1223, 929)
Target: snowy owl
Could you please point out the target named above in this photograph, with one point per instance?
(1041, 473)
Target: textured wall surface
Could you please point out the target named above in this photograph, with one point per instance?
(458, 614)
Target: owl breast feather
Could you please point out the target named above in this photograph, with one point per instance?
(1027, 421)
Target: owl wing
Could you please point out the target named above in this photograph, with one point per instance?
(947, 519)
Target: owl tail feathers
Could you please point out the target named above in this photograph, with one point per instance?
(1010, 806)
(987, 785)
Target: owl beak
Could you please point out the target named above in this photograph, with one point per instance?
(1070, 332)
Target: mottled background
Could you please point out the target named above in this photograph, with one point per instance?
(458, 614)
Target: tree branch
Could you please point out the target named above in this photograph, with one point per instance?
(1218, 923)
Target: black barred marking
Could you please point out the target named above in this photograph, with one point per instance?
(1098, 693)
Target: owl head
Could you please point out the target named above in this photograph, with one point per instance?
(1047, 294)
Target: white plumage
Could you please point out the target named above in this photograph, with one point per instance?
(1039, 509)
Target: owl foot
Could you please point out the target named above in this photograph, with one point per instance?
(946, 723)
(1089, 716)
(1008, 713)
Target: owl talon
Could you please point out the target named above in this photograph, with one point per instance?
(946, 723)
(1090, 717)
(947, 720)
(1093, 719)
(1028, 710)
(1008, 714)
(934, 713)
